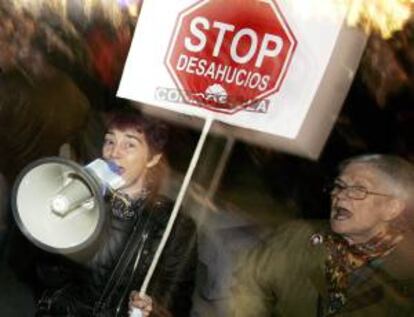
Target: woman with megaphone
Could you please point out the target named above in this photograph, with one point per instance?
(102, 280)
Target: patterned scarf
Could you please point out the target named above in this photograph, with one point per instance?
(123, 207)
(344, 259)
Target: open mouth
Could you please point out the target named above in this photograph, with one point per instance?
(340, 213)
(121, 170)
(116, 168)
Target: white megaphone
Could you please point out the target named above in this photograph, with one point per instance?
(58, 204)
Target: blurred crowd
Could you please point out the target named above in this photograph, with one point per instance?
(59, 74)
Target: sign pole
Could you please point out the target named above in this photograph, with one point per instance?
(220, 167)
(193, 163)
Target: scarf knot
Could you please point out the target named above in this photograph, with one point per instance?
(123, 207)
(344, 259)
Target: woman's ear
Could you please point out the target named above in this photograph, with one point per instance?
(154, 160)
(395, 209)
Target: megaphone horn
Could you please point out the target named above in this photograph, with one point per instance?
(58, 204)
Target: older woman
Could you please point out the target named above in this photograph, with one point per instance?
(361, 265)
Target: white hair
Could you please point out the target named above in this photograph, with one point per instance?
(398, 171)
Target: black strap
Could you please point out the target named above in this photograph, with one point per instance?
(134, 245)
(131, 275)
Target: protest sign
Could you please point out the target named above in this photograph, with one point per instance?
(275, 75)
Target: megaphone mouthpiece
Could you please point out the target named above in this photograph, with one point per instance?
(107, 173)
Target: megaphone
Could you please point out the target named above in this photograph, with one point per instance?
(59, 205)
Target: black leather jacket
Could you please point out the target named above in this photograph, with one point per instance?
(96, 281)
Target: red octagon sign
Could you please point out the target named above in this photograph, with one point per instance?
(225, 55)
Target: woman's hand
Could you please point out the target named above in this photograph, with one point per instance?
(141, 301)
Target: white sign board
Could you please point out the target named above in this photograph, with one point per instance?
(275, 72)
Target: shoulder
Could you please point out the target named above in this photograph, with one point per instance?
(299, 232)
(161, 207)
(161, 203)
(290, 243)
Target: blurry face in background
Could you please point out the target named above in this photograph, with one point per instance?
(129, 149)
(361, 219)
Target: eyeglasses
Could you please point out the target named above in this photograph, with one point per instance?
(352, 192)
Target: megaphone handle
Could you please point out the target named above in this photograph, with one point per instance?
(135, 312)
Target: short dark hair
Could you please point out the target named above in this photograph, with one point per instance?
(395, 168)
(154, 130)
